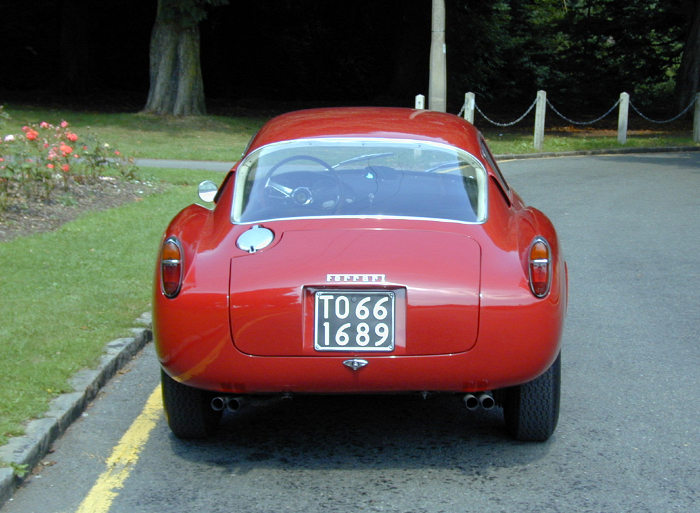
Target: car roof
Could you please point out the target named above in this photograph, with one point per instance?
(372, 122)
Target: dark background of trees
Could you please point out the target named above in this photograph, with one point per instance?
(280, 54)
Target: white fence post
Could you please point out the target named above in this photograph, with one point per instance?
(540, 110)
(469, 102)
(420, 101)
(623, 115)
(696, 119)
(437, 85)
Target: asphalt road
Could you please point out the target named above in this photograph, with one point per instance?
(628, 434)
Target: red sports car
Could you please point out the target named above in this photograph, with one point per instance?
(361, 250)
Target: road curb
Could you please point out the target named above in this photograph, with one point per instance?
(27, 451)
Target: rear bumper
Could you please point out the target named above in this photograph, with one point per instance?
(447, 373)
(505, 355)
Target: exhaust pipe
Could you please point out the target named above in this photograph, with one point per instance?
(221, 403)
(471, 402)
(486, 401)
(218, 403)
(234, 403)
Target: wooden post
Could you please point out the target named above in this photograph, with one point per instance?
(622, 116)
(469, 103)
(420, 101)
(696, 119)
(540, 110)
(437, 89)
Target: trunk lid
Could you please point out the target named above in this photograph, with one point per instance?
(434, 276)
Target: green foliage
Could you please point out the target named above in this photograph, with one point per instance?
(20, 470)
(583, 52)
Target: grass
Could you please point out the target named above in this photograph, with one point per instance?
(224, 138)
(144, 135)
(65, 294)
(520, 143)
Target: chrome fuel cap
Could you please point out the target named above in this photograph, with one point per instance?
(255, 239)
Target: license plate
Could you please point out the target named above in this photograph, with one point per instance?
(354, 320)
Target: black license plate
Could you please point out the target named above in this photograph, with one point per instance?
(354, 320)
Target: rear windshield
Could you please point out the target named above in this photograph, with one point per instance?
(352, 177)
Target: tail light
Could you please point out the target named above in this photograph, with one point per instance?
(540, 267)
(171, 266)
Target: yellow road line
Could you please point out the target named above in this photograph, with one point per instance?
(123, 458)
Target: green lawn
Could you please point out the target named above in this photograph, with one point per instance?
(519, 143)
(65, 294)
(145, 135)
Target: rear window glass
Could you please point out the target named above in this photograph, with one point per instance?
(352, 177)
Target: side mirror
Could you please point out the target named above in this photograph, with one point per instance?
(207, 191)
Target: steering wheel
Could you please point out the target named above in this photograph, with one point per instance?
(315, 191)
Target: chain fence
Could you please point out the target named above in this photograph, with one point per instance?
(574, 122)
(583, 123)
(670, 120)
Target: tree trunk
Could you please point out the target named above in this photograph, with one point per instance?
(688, 80)
(176, 85)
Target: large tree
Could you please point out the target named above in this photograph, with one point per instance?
(176, 85)
(688, 79)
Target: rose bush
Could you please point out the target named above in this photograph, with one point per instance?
(46, 156)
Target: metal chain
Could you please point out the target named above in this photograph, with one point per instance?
(582, 122)
(505, 124)
(666, 120)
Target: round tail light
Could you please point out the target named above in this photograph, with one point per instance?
(540, 267)
(171, 267)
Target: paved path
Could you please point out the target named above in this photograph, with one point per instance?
(185, 164)
(630, 418)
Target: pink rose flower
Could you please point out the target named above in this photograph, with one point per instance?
(64, 124)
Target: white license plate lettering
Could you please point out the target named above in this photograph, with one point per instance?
(354, 320)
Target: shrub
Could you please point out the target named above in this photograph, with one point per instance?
(46, 156)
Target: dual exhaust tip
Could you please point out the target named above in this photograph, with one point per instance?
(472, 402)
(483, 400)
(221, 403)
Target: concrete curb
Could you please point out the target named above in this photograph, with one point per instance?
(28, 450)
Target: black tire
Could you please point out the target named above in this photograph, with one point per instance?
(531, 410)
(188, 409)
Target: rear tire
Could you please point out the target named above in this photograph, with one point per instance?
(531, 410)
(188, 409)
